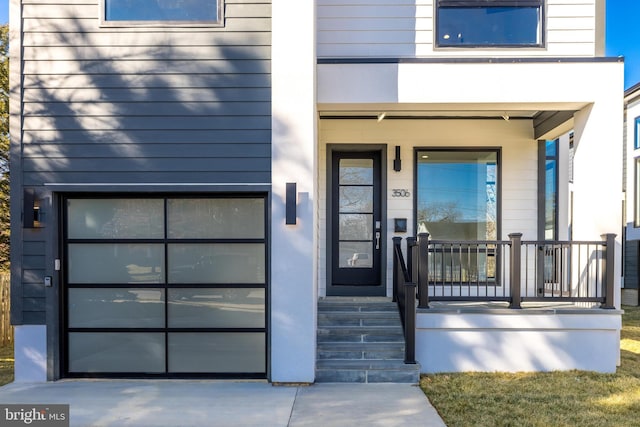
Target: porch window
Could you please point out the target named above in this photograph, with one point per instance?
(551, 190)
(495, 23)
(549, 265)
(458, 200)
(162, 10)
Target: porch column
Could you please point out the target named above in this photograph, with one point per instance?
(597, 171)
(293, 246)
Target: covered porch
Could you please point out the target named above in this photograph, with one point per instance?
(514, 293)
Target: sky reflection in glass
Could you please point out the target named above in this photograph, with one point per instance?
(488, 26)
(457, 194)
(161, 10)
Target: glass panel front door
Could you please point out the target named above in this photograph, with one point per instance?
(356, 224)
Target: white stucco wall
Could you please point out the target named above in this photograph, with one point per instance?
(515, 341)
(30, 349)
(293, 247)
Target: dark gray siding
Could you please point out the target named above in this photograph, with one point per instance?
(631, 259)
(133, 105)
(33, 272)
(114, 105)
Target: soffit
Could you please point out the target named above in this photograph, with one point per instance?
(548, 120)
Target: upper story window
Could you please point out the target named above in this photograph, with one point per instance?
(177, 11)
(636, 133)
(489, 23)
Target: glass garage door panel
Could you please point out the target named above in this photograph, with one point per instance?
(116, 308)
(216, 308)
(216, 263)
(115, 218)
(116, 263)
(116, 352)
(215, 218)
(217, 352)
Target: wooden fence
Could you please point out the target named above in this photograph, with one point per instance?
(6, 330)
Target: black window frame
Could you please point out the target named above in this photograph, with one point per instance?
(452, 4)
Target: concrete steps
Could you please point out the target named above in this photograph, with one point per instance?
(361, 340)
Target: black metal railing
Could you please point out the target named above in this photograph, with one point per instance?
(513, 270)
(404, 294)
(568, 271)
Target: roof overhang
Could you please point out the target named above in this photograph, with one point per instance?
(546, 91)
(548, 121)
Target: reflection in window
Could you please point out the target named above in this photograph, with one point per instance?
(215, 218)
(551, 190)
(161, 10)
(457, 201)
(355, 216)
(482, 23)
(457, 194)
(116, 263)
(216, 263)
(115, 218)
(356, 172)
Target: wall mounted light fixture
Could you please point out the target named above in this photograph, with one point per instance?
(291, 202)
(397, 163)
(30, 210)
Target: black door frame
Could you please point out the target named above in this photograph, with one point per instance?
(381, 289)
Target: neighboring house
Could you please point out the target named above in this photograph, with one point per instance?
(632, 187)
(189, 179)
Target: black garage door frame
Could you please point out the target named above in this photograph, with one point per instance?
(66, 329)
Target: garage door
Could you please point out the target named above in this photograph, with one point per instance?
(167, 287)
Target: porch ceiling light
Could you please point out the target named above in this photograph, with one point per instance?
(505, 116)
(381, 116)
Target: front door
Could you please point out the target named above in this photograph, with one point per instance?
(356, 224)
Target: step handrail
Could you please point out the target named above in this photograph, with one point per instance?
(404, 294)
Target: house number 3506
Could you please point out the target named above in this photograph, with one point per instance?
(400, 192)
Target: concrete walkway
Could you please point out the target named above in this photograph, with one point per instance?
(221, 403)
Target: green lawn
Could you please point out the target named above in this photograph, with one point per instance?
(574, 398)
(6, 364)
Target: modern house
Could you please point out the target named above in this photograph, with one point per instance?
(199, 185)
(632, 206)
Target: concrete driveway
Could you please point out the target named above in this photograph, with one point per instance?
(222, 403)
